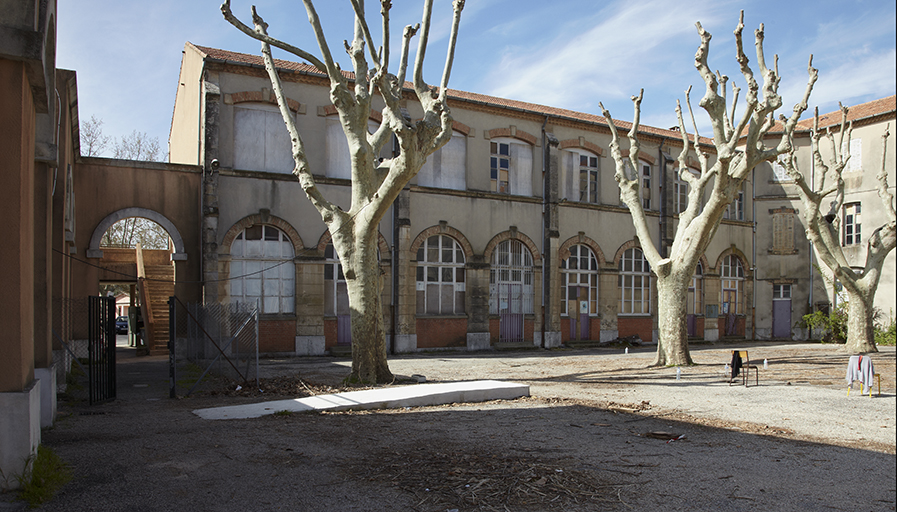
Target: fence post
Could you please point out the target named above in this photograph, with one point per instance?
(172, 335)
(257, 310)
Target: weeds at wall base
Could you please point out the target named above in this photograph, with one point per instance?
(45, 474)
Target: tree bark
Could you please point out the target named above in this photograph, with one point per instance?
(860, 323)
(363, 282)
(672, 343)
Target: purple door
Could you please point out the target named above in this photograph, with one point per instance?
(344, 330)
(781, 319)
(511, 315)
(692, 325)
(584, 326)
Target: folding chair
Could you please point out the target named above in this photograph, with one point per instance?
(740, 360)
(860, 368)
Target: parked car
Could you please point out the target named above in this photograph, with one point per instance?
(121, 325)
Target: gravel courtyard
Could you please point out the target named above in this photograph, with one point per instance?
(600, 431)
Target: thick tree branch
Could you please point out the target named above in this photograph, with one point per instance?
(457, 7)
(418, 74)
(328, 211)
(302, 54)
(629, 187)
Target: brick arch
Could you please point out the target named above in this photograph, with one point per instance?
(512, 234)
(330, 110)
(641, 156)
(732, 250)
(256, 219)
(634, 243)
(564, 251)
(259, 97)
(440, 229)
(703, 261)
(460, 127)
(382, 245)
(582, 144)
(93, 248)
(512, 132)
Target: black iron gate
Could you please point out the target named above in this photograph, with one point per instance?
(101, 349)
(84, 348)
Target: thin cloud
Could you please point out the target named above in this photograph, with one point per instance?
(626, 48)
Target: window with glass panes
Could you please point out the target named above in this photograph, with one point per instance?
(580, 274)
(852, 225)
(735, 210)
(695, 304)
(262, 269)
(634, 283)
(336, 295)
(500, 167)
(588, 178)
(781, 292)
(680, 193)
(646, 186)
(732, 283)
(440, 277)
(511, 279)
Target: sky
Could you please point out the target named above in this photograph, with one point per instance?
(571, 54)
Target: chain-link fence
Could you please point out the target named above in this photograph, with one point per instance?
(213, 346)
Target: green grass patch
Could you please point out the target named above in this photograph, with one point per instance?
(44, 475)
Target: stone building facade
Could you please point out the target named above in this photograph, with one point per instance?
(513, 234)
(789, 284)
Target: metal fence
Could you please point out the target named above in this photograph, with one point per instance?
(212, 347)
(84, 348)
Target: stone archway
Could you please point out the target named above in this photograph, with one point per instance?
(94, 251)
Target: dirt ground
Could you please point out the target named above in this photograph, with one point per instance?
(600, 431)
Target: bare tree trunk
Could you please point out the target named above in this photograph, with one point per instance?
(860, 323)
(672, 343)
(823, 230)
(739, 145)
(364, 286)
(375, 182)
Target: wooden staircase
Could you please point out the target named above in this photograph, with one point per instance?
(155, 284)
(159, 286)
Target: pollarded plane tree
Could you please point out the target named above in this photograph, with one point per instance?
(739, 147)
(375, 183)
(824, 228)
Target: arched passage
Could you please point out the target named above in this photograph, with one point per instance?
(94, 251)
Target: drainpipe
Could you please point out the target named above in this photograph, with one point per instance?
(754, 252)
(202, 181)
(663, 199)
(546, 258)
(809, 243)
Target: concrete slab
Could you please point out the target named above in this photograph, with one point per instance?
(381, 398)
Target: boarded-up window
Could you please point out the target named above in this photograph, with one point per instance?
(338, 164)
(783, 231)
(261, 139)
(447, 167)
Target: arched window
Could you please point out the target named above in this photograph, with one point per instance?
(635, 283)
(732, 281)
(580, 281)
(511, 279)
(440, 277)
(262, 269)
